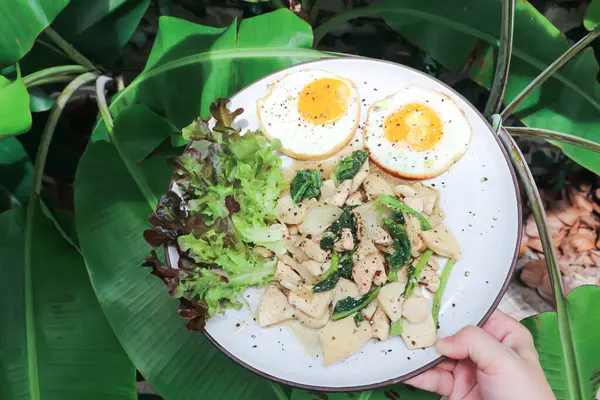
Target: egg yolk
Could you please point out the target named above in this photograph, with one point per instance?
(416, 125)
(324, 100)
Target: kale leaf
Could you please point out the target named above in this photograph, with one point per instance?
(401, 254)
(306, 185)
(349, 166)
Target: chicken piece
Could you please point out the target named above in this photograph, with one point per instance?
(328, 189)
(386, 249)
(286, 275)
(313, 250)
(414, 202)
(419, 336)
(380, 325)
(300, 269)
(380, 277)
(364, 271)
(289, 212)
(391, 300)
(415, 309)
(405, 191)
(355, 199)
(341, 194)
(430, 279)
(274, 308)
(316, 268)
(345, 242)
(311, 322)
(442, 241)
(365, 247)
(344, 288)
(429, 196)
(380, 236)
(402, 274)
(433, 263)
(375, 186)
(413, 229)
(314, 305)
(360, 176)
(339, 339)
(369, 310)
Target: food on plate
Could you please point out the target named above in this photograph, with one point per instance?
(223, 221)
(313, 113)
(358, 263)
(416, 133)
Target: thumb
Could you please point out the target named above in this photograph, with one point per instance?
(477, 345)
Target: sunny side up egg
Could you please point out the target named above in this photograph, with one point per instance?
(416, 133)
(313, 113)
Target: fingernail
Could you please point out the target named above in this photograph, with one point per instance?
(443, 347)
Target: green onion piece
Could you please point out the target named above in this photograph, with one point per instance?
(415, 273)
(333, 268)
(437, 298)
(396, 205)
(349, 305)
(392, 276)
(396, 328)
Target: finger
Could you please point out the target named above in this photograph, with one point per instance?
(465, 378)
(478, 345)
(511, 333)
(447, 365)
(436, 380)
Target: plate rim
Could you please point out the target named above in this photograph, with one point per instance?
(486, 316)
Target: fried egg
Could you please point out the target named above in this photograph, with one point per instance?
(313, 113)
(416, 133)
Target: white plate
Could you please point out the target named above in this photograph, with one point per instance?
(480, 197)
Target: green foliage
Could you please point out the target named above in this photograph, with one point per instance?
(15, 117)
(16, 172)
(549, 333)
(349, 166)
(397, 391)
(21, 24)
(306, 185)
(592, 16)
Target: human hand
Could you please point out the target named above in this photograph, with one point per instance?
(496, 362)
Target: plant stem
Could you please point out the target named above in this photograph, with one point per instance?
(494, 103)
(51, 72)
(314, 12)
(549, 71)
(556, 136)
(69, 49)
(38, 172)
(139, 179)
(539, 214)
(339, 19)
(278, 4)
(53, 79)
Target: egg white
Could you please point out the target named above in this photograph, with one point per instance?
(411, 164)
(279, 118)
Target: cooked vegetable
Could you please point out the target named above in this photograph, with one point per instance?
(437, 299)
(329, 277)
(415, 272)
(344, 288)
(415, 309)
(381, 325)
(313, 304)
(401, 244)
(359, 178)
(418, 336)
(391, 300)
(396, 205)
(376, 186)
(328, 240)
(349, 166)
(341, 338)
(341, 194)
(442, 241)
(311, 322)
(358, 318)
(346, 219)
(369, 310)
(364, 271)
(318, 218)
(396, 327)
(274, 308)
(349, 305)
(306, 185)
(346, 265)
(230, 184)
(398, 217)
(287, 277)
(313, 250)
(289, 212)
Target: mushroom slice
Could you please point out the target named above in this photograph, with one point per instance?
(328, 189)
(345, 242)
(313, 304)
(380, 236)
(380, 325)
(415, 309)
(340, 196)
(375, 186)
(311, 322)
(363, 273)
(287, 277)
(430, 278)
(360, 176)
(289, 212)
(274, 308)
(316, 268)
(421, 335)
(339, 339)
(380, 277)
(413, 230)
(429, 196)
(344, 288)
(391, 300)
(314, 250)
(300, 269)
(369, 310)
(442, 241)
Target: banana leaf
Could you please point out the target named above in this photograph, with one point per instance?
(467, 34)
(394, 392)
(15, 117)
(115, 191)
(582, 323)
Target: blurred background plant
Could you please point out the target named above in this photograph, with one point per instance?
(52, 52)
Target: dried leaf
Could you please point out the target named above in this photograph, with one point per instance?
(579, 200)
(533, 274)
